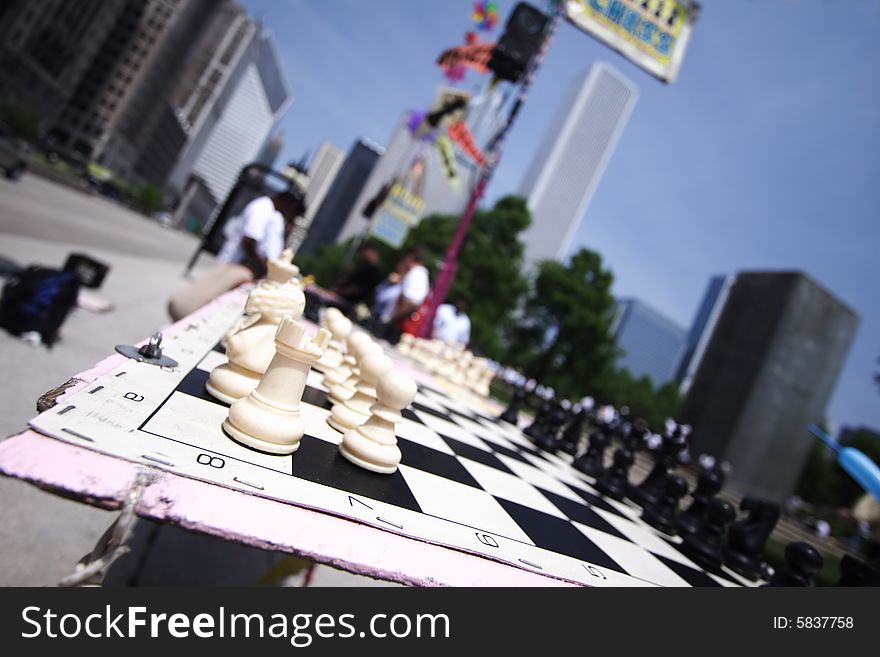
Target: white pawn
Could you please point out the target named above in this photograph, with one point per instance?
(354, 341)
(405, 344)
(268, 418)
(344, 390)
(250, 349)
(354, 411)
(340, 327)
(373, 445)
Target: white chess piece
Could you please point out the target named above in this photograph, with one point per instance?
(373, 445)
(344, 390)
(340, 327)
(355, 340)
(250, 349)
(405, 344)
(354, 411)
(279, 271)
(268, 418)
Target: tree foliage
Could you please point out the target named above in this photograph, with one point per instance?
(564, 337)
(489, 276)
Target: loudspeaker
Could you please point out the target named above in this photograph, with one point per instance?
(522, 38)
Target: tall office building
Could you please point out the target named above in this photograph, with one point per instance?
(651, 343)
(344, 193)
(112, 112)
(572, 157)
(434, 188)
(767, 373)
(246, 109)
(701, 329)
(47, 46)
(188, 115)
(321, 173)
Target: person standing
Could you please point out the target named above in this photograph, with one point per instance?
(451, 323)
(415, 284)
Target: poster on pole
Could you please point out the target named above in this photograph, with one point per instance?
(400, 212)
(652, 34)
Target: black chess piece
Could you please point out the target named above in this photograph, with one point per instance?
(802, 563)
(652, 487)
(547, 438)
(705, 547)
(709, 483)
(747, 538)
(635, 436)
(614, 480)
(857, 573)
(662, 515)
(541, 417)
(511, 413)
(592, 461)
(571, 436)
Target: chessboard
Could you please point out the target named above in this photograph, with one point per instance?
(467, 480)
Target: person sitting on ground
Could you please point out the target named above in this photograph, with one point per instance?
(359, 285)
(451, 323)
(253, 238)
(259, 233)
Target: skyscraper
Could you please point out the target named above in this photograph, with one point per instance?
(651, 343)
(701, 329)
(111, 114)
(395, 162)
(47, 46)
(766, 374)
(347, 188)
(569, 163)
(322, 172)
(252, 99)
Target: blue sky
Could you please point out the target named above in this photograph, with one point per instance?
(764, 154)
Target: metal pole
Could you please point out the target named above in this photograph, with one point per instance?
(449, 266)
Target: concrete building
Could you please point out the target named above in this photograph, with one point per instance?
(439, 196)
(701, 329)
(255, 97)
(47, 46)
(652, 344)
(321, 173)
(112, 112)
(343, 196)
(767, 373)
(572, 157)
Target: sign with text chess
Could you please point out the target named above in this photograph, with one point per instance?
(652, 34)
(400, 211)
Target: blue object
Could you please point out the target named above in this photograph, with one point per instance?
(854, 462)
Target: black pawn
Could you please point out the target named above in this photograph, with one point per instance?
(802, 563)
(511, 413)
(747, 538)
(548, 436)
(592, 461)
(857, 573)
(651, 489)
(614, 481)
(571, 437)
(709, 484)
(705, 547)
(540, 421)
(662, 515)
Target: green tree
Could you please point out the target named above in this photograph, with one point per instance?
(564, 339)
(489, 276)
(489, 264)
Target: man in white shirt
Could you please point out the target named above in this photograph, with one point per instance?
(258, 234)
(451, 323)
(414, 288)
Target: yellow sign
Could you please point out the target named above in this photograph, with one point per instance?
(652, 34)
